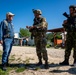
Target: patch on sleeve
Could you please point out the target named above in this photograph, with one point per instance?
(44, 19)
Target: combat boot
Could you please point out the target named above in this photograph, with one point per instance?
(64, 63)
(4, 67)
(39, 63)
(46, 65)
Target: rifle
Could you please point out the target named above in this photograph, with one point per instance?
(70, 25)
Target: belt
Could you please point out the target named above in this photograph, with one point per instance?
(8, 37)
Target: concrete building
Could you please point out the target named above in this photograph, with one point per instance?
(23, 41)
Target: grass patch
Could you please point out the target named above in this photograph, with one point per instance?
(37, 68)
(0, 56)
(48, 46)
(20, 69)
(31, 58)
(12, 58)
(19, 60)
(4, 72)
(27, 61)
(0, 53)
(7, 71)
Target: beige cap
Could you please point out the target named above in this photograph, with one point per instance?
(9, 13)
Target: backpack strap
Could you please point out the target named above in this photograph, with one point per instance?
(6, 23)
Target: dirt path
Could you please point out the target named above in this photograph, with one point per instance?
(27, 55)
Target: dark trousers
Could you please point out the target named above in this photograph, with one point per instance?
(70, 43)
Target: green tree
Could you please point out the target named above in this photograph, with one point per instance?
(49, 36)
(24, 32)
(58, 36)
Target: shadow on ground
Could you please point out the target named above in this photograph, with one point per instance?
(70, 71)
(34, 67)
(31, 66)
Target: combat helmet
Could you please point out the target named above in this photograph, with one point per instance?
(37, 11)
(72, 6)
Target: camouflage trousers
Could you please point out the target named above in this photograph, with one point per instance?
(70, 43)
(41, 48)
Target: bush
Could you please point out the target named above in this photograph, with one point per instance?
(58, 37)
(57, 46)
(48, 45)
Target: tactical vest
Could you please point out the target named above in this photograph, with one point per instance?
(37, 21)
(71, 25)
(7, 35)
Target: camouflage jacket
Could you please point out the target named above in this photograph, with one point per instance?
(41, 25)
(71, 24)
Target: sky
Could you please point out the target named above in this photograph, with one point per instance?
(52, 10)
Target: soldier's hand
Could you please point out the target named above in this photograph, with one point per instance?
(29, 27)
(1, 42)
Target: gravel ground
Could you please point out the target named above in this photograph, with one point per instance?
(55, 56)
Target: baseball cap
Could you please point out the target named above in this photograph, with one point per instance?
(9, 13)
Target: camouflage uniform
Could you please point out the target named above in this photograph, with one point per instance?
(39, 34)
(40, 38)
(70, 43)
(70, 39)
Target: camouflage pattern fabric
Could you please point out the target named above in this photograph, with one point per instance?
(70, 43)
(40, 38)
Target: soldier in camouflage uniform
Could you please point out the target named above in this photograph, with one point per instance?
(40, 37)
(70, 26)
